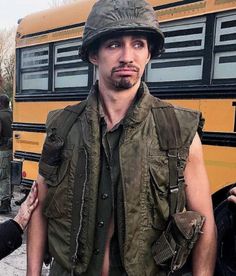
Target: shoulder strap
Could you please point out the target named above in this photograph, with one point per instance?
(169, 135)
(68, 117)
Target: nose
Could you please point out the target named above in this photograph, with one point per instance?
(126, 55)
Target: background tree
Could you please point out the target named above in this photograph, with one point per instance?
(7, 60)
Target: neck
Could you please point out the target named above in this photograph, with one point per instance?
(116, 103)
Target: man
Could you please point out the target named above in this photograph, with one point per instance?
(106, 202)
(11, 230)
(5, 154)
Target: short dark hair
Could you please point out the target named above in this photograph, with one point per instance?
(4, 101)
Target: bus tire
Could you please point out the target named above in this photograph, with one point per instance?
(225, 217)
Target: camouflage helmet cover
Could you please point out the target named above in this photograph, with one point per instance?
(111, 16)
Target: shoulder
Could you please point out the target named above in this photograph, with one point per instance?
(59, 115)
(190, 121)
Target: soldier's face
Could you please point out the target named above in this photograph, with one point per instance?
(121, 61)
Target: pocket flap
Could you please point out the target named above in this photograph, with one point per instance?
(188, 223)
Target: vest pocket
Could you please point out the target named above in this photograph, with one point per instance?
(159, 211)
(56, 200)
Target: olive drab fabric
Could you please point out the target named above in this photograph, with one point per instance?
(73, 185)
(6, 130)
(5, 153)
(5, 185)
(112, 16)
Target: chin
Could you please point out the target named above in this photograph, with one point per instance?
(124, 84)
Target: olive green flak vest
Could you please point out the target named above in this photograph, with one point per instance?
(73, 186)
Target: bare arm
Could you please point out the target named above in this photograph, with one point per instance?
(37, 233)
(199, 199)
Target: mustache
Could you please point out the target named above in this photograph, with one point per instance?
(125, 66)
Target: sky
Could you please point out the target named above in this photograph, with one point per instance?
(12, 10)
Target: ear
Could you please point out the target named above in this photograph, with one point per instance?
(93, 58)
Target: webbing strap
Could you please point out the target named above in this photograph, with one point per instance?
(169, 136)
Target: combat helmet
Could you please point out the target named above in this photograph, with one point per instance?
(112, 16)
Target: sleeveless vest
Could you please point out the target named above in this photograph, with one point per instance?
(6, 131)
(73, 185)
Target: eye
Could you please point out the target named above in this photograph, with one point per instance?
(113, 44)
(139, 44)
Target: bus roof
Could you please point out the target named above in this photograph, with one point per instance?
(67, 21)
(55, 18)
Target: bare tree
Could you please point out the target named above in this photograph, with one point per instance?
(7, 60)
(57, 3)
(8, 74)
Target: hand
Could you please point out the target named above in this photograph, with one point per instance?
(27, 207)
(232, 196)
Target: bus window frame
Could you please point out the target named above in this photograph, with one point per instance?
(207, 87)
(52, 91)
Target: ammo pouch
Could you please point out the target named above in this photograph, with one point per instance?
(173, 247)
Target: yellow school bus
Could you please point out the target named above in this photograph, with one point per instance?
(197, 70)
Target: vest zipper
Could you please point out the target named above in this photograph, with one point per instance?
(75, 256)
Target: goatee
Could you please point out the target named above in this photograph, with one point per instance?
(123, 83)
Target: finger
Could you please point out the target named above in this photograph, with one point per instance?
(34, 205)
(232, 198)
(233, 191)
(34, 187)
(33, 194)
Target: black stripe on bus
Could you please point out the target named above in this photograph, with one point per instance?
(178, 63)
(32, 63)
(176, 4)
(228, 24)
(183, 54)
(28, 127)
(183, 32)
(227, 37)
(30, 156)
(68, 58)
(64, 95)
(224, 48)
(27, 182)
(187, 43)
(219, 139)
(72, 73)
(227, 59)
(34, 70)
(185, 90)
(33, 76)
(162, 91)
(68, 49)
(54, 30)
(208, 138)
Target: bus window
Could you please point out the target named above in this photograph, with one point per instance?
(34, 68)
(183, 57)
(69, 71)
(225, 49)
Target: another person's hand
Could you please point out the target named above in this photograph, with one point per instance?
(232, 197)
(27, 207)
